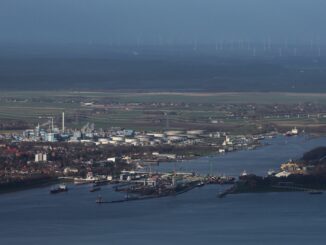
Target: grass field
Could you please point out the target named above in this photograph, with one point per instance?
(148, 97)
(140, 110)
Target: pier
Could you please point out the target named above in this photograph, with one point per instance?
(148, 185)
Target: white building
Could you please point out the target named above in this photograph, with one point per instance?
(69, 170)
(111, 159)
(40, 157)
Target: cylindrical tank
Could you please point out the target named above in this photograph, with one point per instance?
(174, 132)
(195, 132)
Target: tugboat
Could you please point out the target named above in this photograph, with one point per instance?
(58, 189)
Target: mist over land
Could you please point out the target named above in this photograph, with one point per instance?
(215, 45)
(168, 68)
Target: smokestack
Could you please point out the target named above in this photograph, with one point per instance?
(63, 122)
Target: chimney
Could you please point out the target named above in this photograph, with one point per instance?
(63, 122)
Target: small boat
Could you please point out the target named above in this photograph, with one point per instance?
(200, 184)
(60, 188)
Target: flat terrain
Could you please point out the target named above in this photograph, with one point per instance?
(242, 112)
(177, 97)
(173, 68)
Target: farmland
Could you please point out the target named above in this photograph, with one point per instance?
(238, 112)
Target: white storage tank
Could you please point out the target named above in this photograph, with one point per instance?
(130, 141)
(195, 132)
(103, 141)
(159, 135)
(174, 132)
(117, 138)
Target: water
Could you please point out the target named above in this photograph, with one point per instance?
(259, 161)
(196, 217)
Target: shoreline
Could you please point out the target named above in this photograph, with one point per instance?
(23, 186)
(38, 183)
(292, 183)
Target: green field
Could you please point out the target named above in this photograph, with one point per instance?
(145, 110)
(140, 97)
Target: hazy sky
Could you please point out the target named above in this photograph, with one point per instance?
(102, 21)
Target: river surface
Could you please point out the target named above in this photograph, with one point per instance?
(196, 217)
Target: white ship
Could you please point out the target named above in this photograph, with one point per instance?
(89, 179)
(293, 132)
(244, 173)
